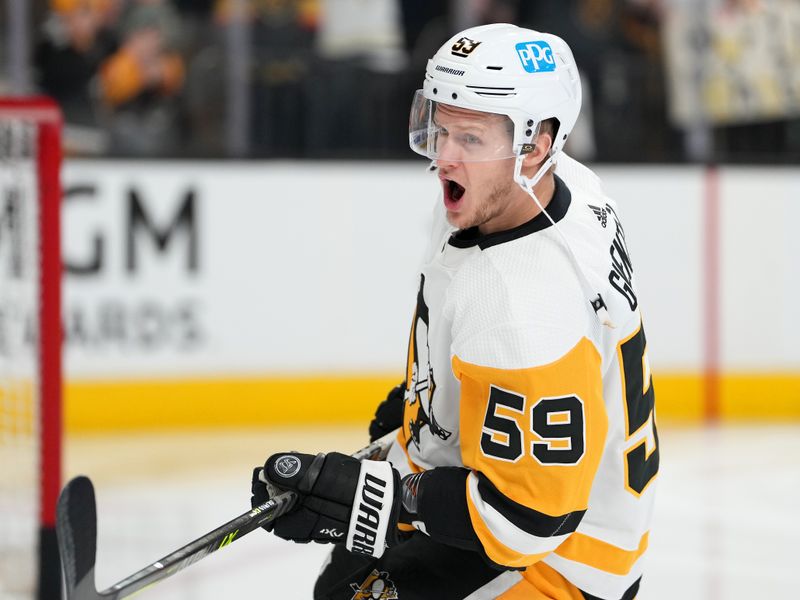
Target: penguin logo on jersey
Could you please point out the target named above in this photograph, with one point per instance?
(377, 586)
(421, 382)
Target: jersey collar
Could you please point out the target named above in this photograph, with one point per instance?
(557, 208)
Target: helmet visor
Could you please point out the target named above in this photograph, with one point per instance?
(444, 132)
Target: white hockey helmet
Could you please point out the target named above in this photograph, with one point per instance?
(503, 69)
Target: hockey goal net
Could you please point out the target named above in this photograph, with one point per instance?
(30, 347)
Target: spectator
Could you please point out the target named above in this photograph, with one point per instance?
(75, 41)
(141, 82)
(282, 36)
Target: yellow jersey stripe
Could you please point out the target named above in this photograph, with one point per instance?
(542, 581)
(601, 555)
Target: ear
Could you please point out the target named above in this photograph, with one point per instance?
(541, 150)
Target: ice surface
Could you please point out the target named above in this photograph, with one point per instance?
(725, 526)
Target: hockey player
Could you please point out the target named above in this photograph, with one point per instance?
(526, 459)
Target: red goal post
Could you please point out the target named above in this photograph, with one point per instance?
(30, 357)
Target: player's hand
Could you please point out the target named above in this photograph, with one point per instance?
(340, 500)
(389, 414)
(261, 491)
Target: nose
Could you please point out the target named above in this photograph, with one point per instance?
(446, 163)
(448, 154)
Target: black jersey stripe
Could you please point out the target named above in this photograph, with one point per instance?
(527, 519)
(629, 594)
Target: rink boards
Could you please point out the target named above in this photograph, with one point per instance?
(275, 292)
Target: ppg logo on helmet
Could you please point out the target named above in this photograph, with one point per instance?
(536, 57)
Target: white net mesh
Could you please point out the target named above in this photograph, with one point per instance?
(19, 301)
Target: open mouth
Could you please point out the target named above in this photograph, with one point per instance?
(453, 192)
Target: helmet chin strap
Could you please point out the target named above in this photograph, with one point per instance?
(527, 184)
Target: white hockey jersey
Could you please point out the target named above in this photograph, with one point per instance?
(512, 375)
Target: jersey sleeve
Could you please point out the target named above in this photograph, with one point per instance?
(532, 439)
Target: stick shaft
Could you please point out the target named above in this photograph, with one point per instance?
(201, 547)
(224, 535)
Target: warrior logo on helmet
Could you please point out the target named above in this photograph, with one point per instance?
(377, 586)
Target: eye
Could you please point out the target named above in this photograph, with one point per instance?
(471, 139)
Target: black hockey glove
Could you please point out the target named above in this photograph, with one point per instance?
(341, 500)
(389, 414)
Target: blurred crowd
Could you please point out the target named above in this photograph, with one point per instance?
(334, 78)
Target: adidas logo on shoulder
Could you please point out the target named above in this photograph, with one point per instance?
(601, 213)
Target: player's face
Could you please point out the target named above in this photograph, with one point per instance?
(475, 192)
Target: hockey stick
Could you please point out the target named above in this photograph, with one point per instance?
(76, 527)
